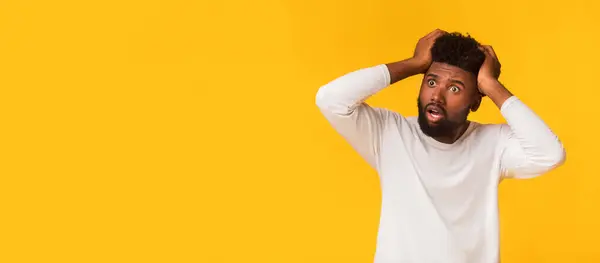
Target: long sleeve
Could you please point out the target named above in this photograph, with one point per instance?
(530, 147)
(341, 101)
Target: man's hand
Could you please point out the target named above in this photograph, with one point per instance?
(487, 79)
(422, 54)
(490, 70)
(419, 62)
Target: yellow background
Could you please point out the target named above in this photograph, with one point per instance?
(186, 131)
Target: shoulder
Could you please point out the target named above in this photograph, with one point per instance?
(490, 132)
(394, 123)
(388, 115)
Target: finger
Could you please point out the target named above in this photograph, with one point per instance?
(435, 36)
(493, 54)
(490, 50)
(440, 32)
(430, 34)
(490, 55)
(486, 54)
(484, 50)
(434, 33)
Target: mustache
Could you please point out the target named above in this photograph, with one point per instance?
(438, 106)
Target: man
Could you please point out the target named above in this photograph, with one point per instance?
(439, 171)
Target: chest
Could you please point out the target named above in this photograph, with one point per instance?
(466, 166)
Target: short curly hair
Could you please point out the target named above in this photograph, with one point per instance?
(458, 50)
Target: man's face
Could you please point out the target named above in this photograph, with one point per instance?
(447, 95)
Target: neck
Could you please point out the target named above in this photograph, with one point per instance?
(458, 132)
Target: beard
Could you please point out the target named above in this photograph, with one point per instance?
(445, 127)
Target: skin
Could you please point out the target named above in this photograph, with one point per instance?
(454, 90)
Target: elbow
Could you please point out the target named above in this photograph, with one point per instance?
(321, 98)
(327, 101)
(538, 164)
(558, 156)
(553, 159)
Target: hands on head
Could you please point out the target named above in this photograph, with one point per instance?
(422, 54)
(489, 71)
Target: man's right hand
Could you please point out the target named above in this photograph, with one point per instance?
(422, 55)
(419, 63)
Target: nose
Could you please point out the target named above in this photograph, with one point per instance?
(437, 96)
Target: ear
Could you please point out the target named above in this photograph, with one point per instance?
(476, 103)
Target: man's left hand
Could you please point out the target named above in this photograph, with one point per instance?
(487, 79)
(490, 70)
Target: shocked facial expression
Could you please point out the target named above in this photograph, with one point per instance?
(448, 93)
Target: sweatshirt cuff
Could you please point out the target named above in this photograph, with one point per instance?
(507, 104)
(386, 73)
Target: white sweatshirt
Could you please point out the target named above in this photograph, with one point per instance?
(439, 201)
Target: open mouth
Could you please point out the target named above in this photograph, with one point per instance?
(434, 113)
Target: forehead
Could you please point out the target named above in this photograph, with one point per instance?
(450, 72)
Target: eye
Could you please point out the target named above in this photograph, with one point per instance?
(431, 82)
(454, 89)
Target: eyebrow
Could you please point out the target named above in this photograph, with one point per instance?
(458, 81)
(452, 80)
(432, 75)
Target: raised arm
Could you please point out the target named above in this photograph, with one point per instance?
(342, 101)
(529, 147)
